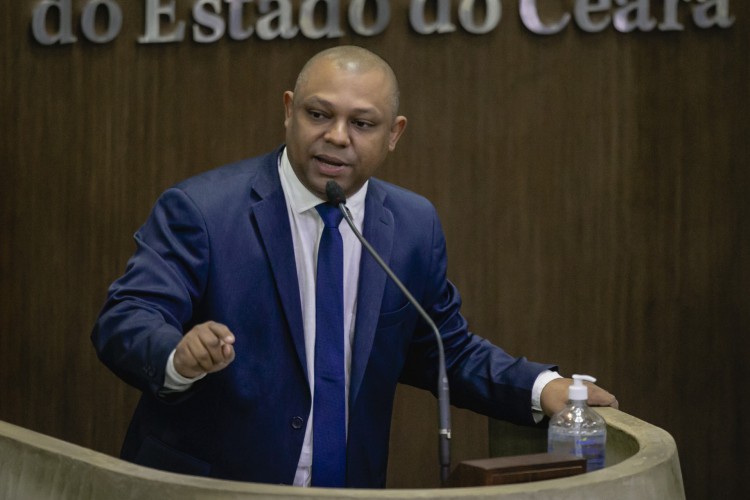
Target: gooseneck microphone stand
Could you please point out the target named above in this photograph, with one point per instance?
(336, 197)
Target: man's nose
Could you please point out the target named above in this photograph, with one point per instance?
(338, 133)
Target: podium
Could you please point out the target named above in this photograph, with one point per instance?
(642, 462)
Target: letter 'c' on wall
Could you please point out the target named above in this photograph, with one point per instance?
(532, 21)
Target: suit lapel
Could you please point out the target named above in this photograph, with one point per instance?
(378, 229)
(272, 218)
(270, 212)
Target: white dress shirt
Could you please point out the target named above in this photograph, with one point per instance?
(307, 228)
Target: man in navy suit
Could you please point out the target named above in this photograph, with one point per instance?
(214, 318)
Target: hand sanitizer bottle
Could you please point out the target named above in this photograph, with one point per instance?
(577, 429)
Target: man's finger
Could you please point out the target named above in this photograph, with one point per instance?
(601, 397)
(228, 352)
(222, 332)
(215, 339)
(200, 355)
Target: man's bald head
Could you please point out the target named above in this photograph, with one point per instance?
(354, 59)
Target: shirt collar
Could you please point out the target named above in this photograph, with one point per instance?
(302, 200)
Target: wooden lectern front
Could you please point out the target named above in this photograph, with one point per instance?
(515, 469)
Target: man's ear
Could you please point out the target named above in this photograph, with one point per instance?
(399, 124)
(288, 106)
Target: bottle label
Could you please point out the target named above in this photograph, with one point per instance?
(592, 448)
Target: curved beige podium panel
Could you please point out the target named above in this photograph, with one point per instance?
(36, 466)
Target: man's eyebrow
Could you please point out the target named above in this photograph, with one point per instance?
(370, 110)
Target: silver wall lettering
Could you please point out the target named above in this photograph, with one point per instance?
(207, 14)
(491, 20)
(102, 20)
(64, 32)
(281, 18)
(702, 14)
(357, 14)
(155, 10)
(583, 11)
(643, 21)
(332, 27)
(114, 21)
(442, 22)
(532, 21)
(236, 30)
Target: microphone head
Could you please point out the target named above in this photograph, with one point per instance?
(335, 194)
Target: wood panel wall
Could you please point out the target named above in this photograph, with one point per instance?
(593, 189)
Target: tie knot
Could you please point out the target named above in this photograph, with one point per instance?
(330, 214)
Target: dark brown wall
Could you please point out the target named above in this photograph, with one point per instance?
(593, 189)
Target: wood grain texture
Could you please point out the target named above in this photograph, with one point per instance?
(593, 190)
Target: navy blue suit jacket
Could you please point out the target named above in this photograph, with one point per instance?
(219, 247)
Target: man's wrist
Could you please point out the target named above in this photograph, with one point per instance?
(173, 381)
(540, 383)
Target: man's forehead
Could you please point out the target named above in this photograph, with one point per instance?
(372, 81)
(345, 68)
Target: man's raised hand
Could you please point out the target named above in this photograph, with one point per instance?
(206, 348)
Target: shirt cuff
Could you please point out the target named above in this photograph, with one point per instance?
(173, 381)
(542, 380)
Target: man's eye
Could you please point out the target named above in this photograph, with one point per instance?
(361, 124)
(316, 115)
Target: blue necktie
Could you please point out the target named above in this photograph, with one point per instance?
(329, 407)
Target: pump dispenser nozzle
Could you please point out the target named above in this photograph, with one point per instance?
(578, 390)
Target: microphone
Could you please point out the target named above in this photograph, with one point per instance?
(336, 196)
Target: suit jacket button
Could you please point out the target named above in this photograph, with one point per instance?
(297, 423)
